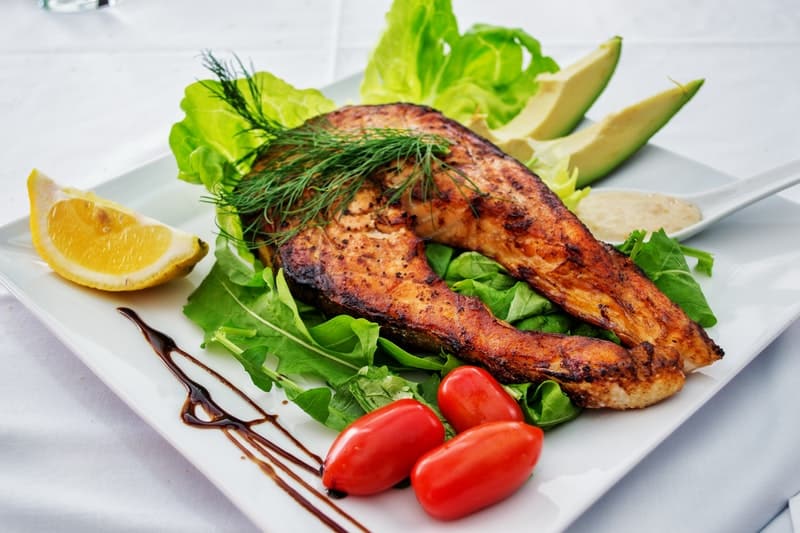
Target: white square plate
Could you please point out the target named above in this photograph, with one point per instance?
(755, 292)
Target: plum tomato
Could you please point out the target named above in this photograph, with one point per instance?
(469, 396)
(378, 450)
(475, 469)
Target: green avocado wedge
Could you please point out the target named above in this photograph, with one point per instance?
(561, 100)
(599, 148)
(564, 97)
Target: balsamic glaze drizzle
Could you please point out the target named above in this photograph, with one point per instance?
(274, 459)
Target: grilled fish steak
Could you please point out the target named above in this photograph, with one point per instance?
(370, 263)
(523, 225)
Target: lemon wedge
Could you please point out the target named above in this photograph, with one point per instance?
(98, 243)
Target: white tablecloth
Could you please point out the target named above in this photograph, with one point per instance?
(85, 97)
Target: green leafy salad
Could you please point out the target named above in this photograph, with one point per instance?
(336, 368)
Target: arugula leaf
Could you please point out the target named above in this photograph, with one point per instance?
(347, 335)
(662, 260)
(373, 387)
(343, 409)
(437, 363)
(334, 408)
(705, 261)
(422, 58)
(255, 323)
(270, 321)
(317, 402)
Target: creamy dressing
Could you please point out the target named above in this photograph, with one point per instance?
(612, 215)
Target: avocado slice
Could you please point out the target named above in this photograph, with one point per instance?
(561, 100)
(563, 97)
(597, 149)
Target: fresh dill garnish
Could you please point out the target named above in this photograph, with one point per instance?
(310, 174)
(316, 172)
(248, 105)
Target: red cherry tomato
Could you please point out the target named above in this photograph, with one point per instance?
(475, 469)
(469, 396)
(378, 450)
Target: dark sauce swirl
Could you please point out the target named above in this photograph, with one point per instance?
(278, 463)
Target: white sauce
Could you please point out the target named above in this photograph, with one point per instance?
(612, 215)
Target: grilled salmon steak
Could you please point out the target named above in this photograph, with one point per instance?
(370, 262)
(522, 225)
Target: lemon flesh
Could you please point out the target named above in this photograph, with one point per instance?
(101, 244)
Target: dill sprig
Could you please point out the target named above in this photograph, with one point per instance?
(310, 174)
(313, 173)
(248, 105)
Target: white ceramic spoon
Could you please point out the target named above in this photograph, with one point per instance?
(720, 202)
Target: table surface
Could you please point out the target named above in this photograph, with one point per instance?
(85, 97)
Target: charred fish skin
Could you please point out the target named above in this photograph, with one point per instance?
(370, 263)
(523, 225)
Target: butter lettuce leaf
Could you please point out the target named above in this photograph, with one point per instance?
(411, 53)
(213, 146)
(422, 58)
(213, 143)
(561, 180)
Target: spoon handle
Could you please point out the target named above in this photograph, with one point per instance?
(719, 202)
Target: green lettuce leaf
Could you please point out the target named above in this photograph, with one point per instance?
(473, 274)
(422, 58)
(213, 144)
(662, 260)
(441, 363)
(544, 405)
(560, 180)
(439, 257)
(373, 387)
(236, 260)
(549, 323)
(263, 317)
(262, 326)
